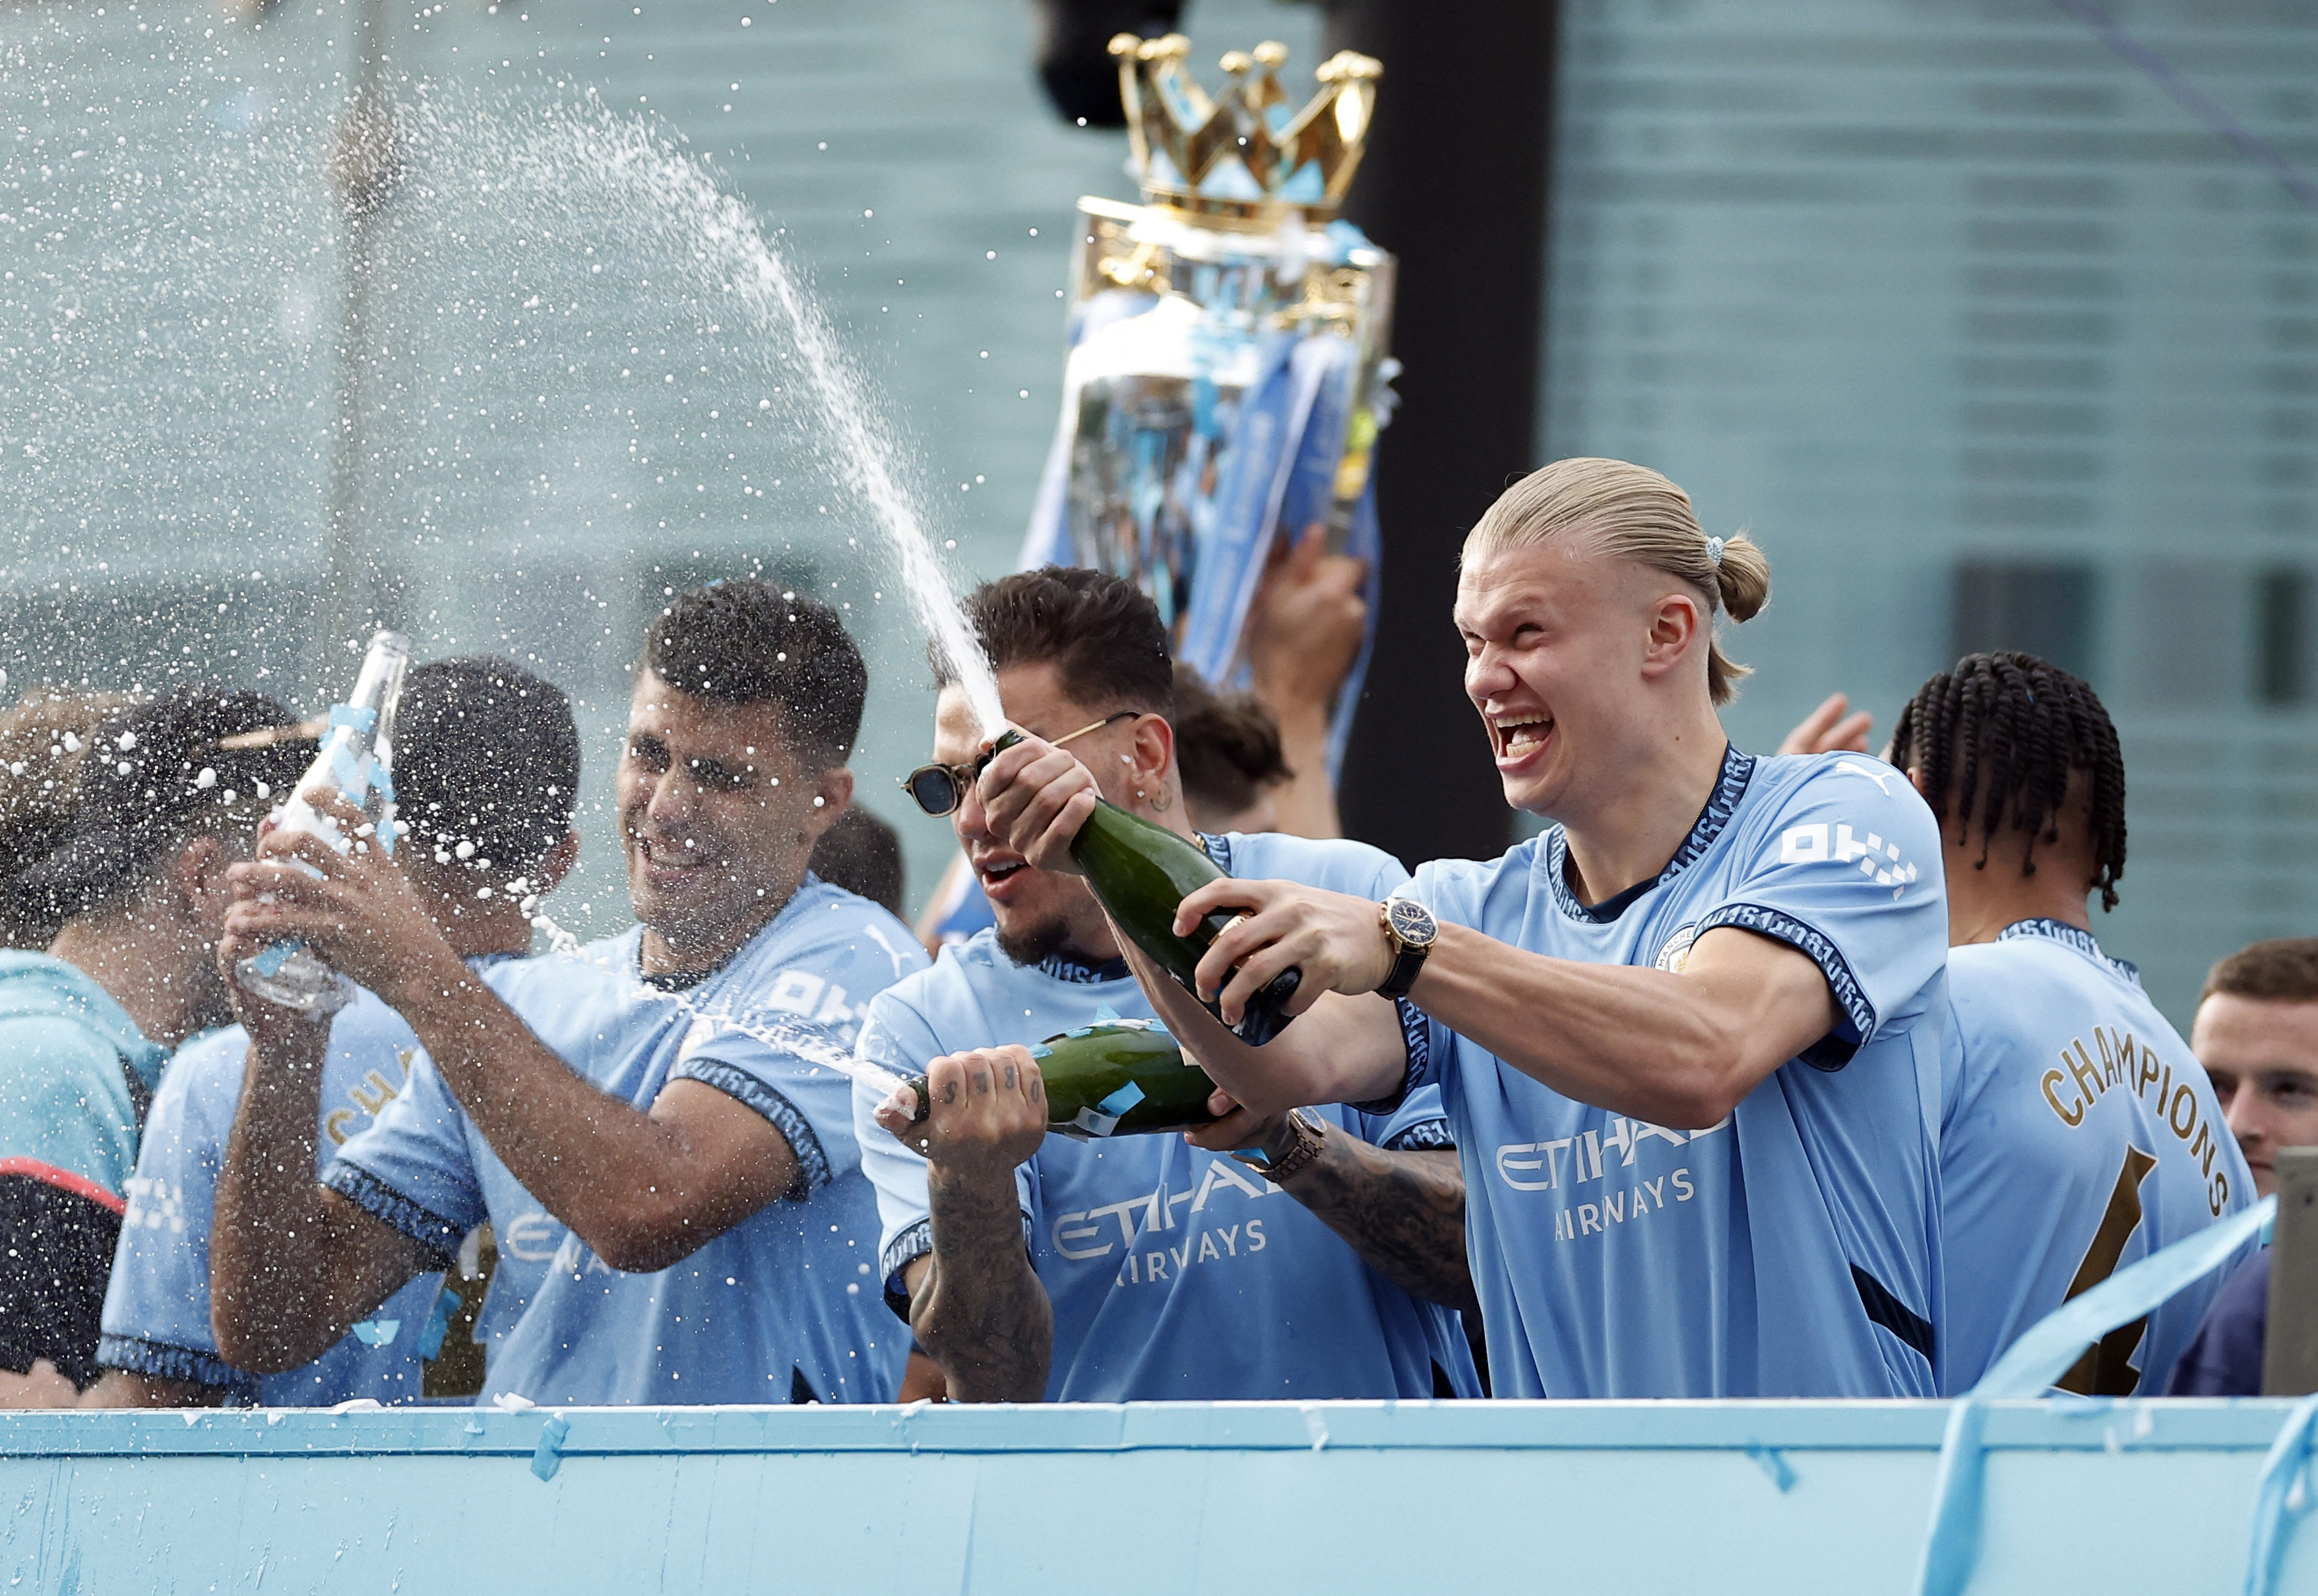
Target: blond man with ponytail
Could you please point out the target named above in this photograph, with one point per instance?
(1689, 1037)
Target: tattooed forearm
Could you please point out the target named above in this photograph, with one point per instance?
(1403, 1212)
(978, 1309)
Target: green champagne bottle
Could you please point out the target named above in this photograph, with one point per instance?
(1142, 873)
(1126, 1078)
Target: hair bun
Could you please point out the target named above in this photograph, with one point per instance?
(1742, 577)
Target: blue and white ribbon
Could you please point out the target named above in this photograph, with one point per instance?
(2040, 1357)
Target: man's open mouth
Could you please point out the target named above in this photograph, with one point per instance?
(1518, 736)
(994, 871)
(671, 856)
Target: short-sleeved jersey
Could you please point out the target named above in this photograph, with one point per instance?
(2079, 1135)
(157, 1309)
(1174, 1273)
(1790, 1251)
(67, 1056)
(782, 1307)
(73, 1071)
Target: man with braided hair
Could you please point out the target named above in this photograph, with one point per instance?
(2078, 1133)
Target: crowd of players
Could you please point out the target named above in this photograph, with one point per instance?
(1796, 1075)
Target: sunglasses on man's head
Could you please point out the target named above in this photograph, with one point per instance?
(939, 789)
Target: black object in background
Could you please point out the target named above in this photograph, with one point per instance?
(1455, 183)
(1074, 59)
(53, 1272)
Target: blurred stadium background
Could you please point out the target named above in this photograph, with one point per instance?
(1985, 336)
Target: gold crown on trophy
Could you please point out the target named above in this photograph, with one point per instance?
(1246, 155)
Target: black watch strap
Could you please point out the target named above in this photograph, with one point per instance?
(1404, 971)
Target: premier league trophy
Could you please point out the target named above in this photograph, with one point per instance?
(1227, 369)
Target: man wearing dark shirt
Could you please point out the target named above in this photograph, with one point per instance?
(2257, 1035)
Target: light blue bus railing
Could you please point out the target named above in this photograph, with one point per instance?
(2028, 1494)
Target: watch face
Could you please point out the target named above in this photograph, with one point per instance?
(1412, 923)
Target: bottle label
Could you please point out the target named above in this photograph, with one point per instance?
(1103, 1117)
(356, 772)
(345, 756)
(268, 961)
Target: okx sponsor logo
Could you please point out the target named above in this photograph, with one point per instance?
(1872, 855)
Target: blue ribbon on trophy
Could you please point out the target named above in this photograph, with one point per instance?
(1226, 371)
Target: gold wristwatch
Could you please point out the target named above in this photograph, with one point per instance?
(1309, 1130)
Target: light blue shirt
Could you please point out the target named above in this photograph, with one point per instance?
(65, 1116)
(156, 1305)
(1791, 1250)
(782, 1307)
(2079, 1135)
(1176, 1274)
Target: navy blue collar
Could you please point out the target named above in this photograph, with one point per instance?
(1722, 804)
(1062, 967)
(2076, 937)
(676, 981)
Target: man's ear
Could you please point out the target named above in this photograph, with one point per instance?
(835, 788)
(1154, 751)
(197, 881)
(1916, 780)
(1675, 623)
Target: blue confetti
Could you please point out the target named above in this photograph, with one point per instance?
(1772, 1463)
(548, 1456)
(438, 1325)
(1120, 1101)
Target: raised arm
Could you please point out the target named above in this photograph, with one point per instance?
(975, 1303)
(1303, 636)
(293, 1265)
(641, 1190)
(1678, 1049)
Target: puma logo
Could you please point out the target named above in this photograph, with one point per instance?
(1878, 776)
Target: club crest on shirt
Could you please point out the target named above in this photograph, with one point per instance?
(1675, 956)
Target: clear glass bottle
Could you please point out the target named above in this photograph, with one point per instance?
(358, 758)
